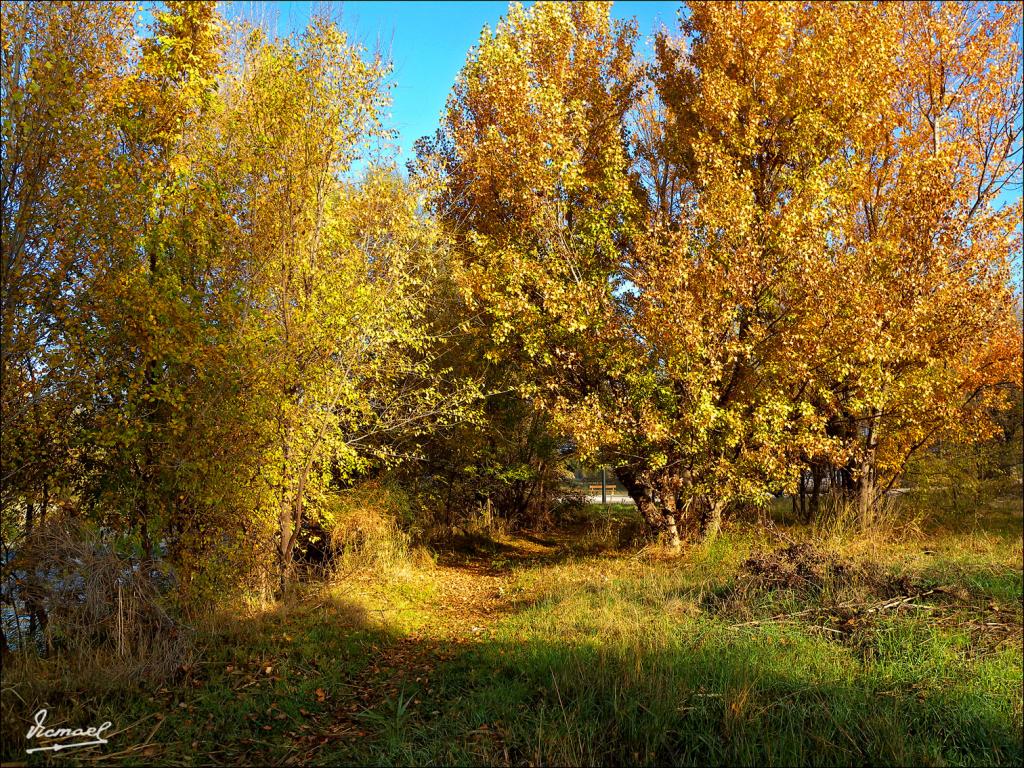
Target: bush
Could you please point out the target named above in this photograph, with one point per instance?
(961, 479)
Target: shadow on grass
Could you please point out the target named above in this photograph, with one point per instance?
(693, 704)
(266, 687)
(349, 691)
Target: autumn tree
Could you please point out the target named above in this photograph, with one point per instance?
(535, 194)
(142, 298)
(62, 86)
(339, 273)
(705, 332)
(761, 104)
(237, 322)
(927, 339)
(150, 323)
(763, 303)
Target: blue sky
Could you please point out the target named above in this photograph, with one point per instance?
(428, 43)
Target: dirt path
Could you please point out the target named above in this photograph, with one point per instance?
(469, 599)
(473, 589)
(471, 596)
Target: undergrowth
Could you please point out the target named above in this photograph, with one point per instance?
(578, 646)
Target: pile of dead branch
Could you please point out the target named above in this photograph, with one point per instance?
(802, 567)
(845, 599)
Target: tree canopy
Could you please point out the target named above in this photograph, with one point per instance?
(774, 248)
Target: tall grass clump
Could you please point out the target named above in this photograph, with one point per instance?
(841, 521)
(104, 621)
(100, 605)
(367, 528)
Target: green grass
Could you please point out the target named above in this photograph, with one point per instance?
(565, 648)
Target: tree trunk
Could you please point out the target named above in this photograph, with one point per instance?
(147, 541)
(29, 602)
(642, 495)
(46, 501)
(866, 490)
(673, 531)
(711, 523)
(846, 475)
(285, 532)
(803, 497)
(283, 553)
(669, 515)
(669, 487)
(866, 487)
(37, 617)
(816, 476)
